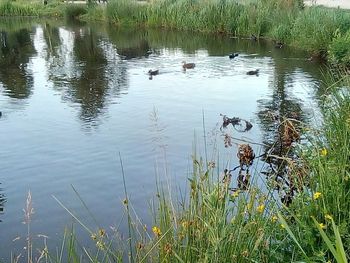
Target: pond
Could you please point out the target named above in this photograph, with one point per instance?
(74, 97)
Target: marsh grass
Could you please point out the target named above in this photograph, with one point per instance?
(10, 8)
(74, 11)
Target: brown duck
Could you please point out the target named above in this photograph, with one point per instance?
(188, 65)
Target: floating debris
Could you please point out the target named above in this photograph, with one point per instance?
(289, 133)
(235, 121)
(245, 155)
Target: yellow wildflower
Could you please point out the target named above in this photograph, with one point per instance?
(317, 195)
(283, 226)
(322, 225)
(260, 208)
(324, 152)
(235, 194)
(156, 231)
(328, 216)
(274, 218)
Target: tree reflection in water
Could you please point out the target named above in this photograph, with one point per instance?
(281, 119)
(86, 69)
(16, 48)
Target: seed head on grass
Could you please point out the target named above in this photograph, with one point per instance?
(168, 248)
(102, 232)
(28, 210)
(328, 217)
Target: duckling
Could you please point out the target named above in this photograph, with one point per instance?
(188, 65)
(233, 55)
(253, 72)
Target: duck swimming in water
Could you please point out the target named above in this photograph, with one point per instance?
(253, 72)
(188, 65)
(279, 45)
(233, 55)
(253, 37)
(153, 72)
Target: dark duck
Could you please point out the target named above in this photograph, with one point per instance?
(253, 72)
(233, 55)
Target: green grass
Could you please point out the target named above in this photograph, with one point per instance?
(9, 8)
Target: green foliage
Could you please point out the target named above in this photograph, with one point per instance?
(74, 11)
(125, 12)
(9, 8)
(339, 49)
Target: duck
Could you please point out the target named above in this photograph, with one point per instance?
(153, 72)
(253, 37)
(0, 114)
(279, 45)
(253, 72)
(233, 55)
(188, 65)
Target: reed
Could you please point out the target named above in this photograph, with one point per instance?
(9, 8)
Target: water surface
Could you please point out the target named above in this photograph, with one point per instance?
(74, 96)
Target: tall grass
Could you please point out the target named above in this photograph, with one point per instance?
(9, 8)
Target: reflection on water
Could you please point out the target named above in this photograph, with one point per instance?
(16, 49)
(74, 95)
(2, 202)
